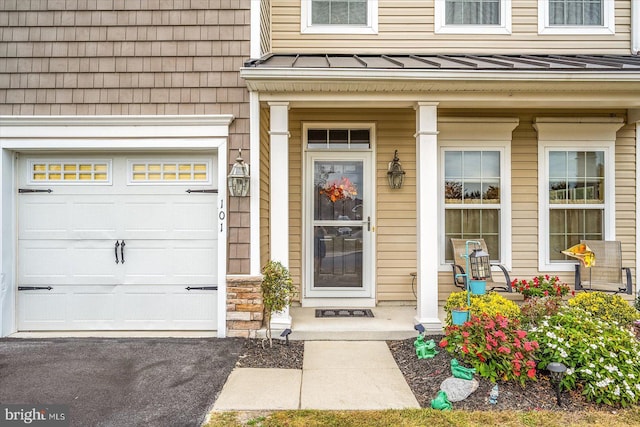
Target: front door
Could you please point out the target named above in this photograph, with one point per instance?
(339, 231)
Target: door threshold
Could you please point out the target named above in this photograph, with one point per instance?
(339, 302)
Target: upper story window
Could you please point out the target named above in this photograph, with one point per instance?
(473, 16)
(576, 17)
(339, 16)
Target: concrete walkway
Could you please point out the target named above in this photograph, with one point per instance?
(338, 375)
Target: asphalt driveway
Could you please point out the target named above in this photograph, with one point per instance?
(119, 382)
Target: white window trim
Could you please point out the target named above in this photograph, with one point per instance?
(307, 28)
(494, 134)
(441, 27)
(608, 26)
(575, 134)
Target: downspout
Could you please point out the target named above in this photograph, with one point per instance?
(254, 47)
(635, 27)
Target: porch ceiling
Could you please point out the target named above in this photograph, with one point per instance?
(489, 81)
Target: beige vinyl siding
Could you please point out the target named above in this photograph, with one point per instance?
(265, 254)
(408, 27)
(395, 232)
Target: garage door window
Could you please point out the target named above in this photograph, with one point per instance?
(169, 172)
(69, 172)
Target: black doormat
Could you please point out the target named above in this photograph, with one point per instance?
(344, 312)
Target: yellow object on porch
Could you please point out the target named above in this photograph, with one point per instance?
(583, 253)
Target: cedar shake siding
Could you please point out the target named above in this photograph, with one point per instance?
(132, 57)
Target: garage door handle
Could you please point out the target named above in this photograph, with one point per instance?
(122, 252)
(117, 246)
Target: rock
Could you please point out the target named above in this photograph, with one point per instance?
(458, 389)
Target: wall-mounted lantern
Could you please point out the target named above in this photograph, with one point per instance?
(238, 179)
(395, 174)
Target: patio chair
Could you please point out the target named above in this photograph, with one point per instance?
(459, 265)
(606, 273)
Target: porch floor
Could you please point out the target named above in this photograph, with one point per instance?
(388, 323)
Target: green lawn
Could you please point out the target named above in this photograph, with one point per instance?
(427, 417)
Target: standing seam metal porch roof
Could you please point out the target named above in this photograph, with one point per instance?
(542, 63)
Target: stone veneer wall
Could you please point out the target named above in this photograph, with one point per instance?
(244, 306)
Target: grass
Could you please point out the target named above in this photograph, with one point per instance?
(426, 417)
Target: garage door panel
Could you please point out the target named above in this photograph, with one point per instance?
(67, 240)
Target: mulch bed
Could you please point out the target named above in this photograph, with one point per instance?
(424, 376)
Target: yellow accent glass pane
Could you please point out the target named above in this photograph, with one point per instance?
(54, 177)
(100, 168)
(85, 177)
(70, 177)
(139, 168)
(39, 176)
(70, 167)
(56, 168)
(185, 168)
(100, 177)
(139, 176)
(169, 176)
(39, 168)
(169, 167)
(200, 167)
(154, 168)
(184, 176)
(155, 176)
(200, 176)
(86, 167)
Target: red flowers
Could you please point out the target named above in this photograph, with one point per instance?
(540, 286)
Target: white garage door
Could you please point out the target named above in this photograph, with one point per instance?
(117, 242)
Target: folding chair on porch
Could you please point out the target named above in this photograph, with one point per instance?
(606, 273)
(459, 263)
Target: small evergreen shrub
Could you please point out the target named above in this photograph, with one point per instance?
(490, 303)
(602, 358)
(607, 307)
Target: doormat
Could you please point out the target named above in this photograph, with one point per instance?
(344, 312)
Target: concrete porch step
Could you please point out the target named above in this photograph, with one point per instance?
(388, 323)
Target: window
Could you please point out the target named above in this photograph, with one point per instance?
(473, 16)
(169, 172)
(576, 173)
(339, 16)
(69, 172)
(576, 17)
(474, 173)
(472, 199)
(351, 136)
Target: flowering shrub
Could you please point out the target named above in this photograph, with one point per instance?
(540, 286)
(607, 307)
(495, 346)
(533, 310)
(340, 189)
(490, 303)
(600, 356)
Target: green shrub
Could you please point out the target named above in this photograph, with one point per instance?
(490, 303)
(607, 307)
(604, 359)
(495, 346)
(637, 304)
(277, 291)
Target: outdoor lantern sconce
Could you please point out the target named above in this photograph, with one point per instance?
(479, 263)
(395, 174)
(238, 179)
(557, 371)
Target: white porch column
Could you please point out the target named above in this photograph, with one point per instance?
(427, 207)
(634, 116)
(279, 196)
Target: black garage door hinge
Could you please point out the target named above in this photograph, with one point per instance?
(33, 190)
(202, 288)
(201, 191)
(34, 288)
